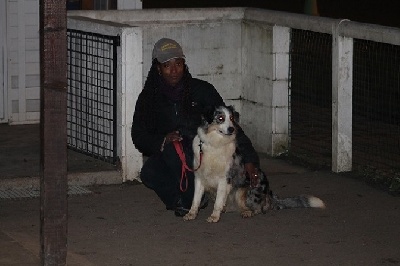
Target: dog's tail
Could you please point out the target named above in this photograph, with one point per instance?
(303, 201)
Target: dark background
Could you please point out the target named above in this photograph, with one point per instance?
(367, 11)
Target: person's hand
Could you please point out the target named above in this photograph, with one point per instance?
(252, 172)
(173, 136)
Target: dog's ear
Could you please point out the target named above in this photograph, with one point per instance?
(236, 115)
(208, 114)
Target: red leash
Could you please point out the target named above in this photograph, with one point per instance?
(181, 154)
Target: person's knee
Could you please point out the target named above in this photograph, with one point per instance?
(169, 154)
(149, 173)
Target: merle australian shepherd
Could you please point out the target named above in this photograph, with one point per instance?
(221, 172)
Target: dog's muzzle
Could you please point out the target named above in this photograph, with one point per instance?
(229, 131)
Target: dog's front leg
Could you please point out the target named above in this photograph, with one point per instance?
(220, 201)
(198, 193)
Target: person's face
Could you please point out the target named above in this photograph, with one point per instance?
(172, 70)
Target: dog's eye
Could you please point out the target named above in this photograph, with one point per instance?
(220, 119)
(232, 118)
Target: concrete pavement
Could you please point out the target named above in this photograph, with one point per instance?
(126, 224)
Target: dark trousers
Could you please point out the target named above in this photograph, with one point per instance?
(162, 173)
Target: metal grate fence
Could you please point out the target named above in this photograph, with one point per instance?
(376, 107)
(376, 101)
(91, 103)
(310, 97)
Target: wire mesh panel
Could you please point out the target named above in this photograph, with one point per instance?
(91, 107)
(310, 99)
(376, 106)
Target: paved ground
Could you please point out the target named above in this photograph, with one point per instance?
(20, 161)
(127, 225)
(20, 154)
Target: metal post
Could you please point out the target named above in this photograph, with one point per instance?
(53, 133)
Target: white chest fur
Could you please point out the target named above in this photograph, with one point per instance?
(214, 162)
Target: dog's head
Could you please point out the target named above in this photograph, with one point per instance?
(221, 120)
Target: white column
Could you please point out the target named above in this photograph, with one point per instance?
(3, 62)
(130, 86)
(21, 63)
(342, 90)
(280, 92)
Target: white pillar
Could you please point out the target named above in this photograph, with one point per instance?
(21, 31)
(3, 63)
(280, 92)
(342, 90)
(128, 92)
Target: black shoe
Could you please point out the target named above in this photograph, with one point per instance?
(181, 211)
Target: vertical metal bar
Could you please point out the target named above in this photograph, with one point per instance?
(116, 43)
(85, 112)
(53, 163)
(69, 82)
(291, 47)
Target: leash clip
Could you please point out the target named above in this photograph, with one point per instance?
(201, 147)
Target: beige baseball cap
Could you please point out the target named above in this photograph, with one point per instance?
(165, 49)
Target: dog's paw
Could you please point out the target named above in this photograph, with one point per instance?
(190, 216)
(213, 219)
(224, 209)
(247, 214)
(255, 212)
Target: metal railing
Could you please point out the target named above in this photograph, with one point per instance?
(91, 104)
(375, 103)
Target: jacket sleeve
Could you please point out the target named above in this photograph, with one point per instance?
(209, 95)
(143, 137)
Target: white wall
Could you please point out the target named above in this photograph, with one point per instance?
(256, 80)
(240, 65)
(23, 61)
(20, 97)
(3, 62)
(199, 31)
(129, 4)
(244, 65)
(216, 60)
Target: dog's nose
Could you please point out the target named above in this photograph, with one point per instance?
(231, 130)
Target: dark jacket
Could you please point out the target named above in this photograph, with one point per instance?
(148, 139)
